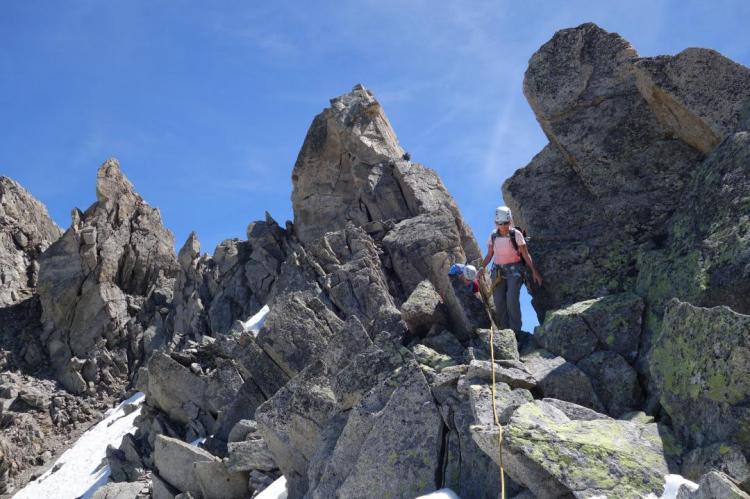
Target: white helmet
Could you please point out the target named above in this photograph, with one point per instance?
(502, 214)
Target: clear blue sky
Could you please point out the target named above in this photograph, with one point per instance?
(206, 104)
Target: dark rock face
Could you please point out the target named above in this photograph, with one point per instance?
(642, 189)
(627, 137)
(104, 286)
(26, 230)
(700, 362)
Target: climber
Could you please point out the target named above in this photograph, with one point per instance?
(467, 274)
(510, 257)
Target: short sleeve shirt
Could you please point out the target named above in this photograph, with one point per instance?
(503, 250)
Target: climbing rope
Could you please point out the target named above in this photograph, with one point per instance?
(493, 330)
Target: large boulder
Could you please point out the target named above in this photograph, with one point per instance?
(26, 230)
(559, 379)
(713, 485)
(424, 247)
(555, 456)
(700, 363)
(174, 461)
(614, 381)
(721, 457)
(611, 322)
(104, 286)
(628, 137)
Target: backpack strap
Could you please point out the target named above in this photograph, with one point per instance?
(513, 240)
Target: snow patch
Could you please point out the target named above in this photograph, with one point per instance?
(672, 486)
(277, 490)
(254, 323)
(441, 494)
(83, 468)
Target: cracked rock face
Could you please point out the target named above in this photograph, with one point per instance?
(351, 169)
(104, 285)
(626, 136)
(212, 292)
(26, 230)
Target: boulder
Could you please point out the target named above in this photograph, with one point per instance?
(565, 333)
(698, 94)
(725, 458)
(422, 309)
(713, 485)
(242, 429)
(252, 454)
(426, 356)
(388, 446)
(700, 363)
(557, 457)
(424, 247)
(515, 375)
(559, 379)
(614, 381)
(507, 400)
(291, 421)
(504, 344)
(608, 323)
(297, 331)
(132, 490)
(175, 389)
(216, 482)
(446, 343)
(174, 461)
(575, 411)
(125, 462)
(161, 489)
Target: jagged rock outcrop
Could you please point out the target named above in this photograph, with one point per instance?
(351, 169)
(25, 232)
(642, 189)
(628, 137)
(105, 286)
(371, 374)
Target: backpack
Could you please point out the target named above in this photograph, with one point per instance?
(512, 234)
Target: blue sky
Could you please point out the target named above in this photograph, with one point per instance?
(206, 104)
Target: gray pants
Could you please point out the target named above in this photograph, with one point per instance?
(506, 296)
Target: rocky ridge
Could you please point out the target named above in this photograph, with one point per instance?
(371, 376)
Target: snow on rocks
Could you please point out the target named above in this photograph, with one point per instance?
(82, 469)
(277, 490)
(254, 323)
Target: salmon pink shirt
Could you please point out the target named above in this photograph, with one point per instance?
(503, 251)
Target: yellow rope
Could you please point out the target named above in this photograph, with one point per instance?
(493, 329)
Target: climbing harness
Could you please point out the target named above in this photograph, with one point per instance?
(493, 330)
